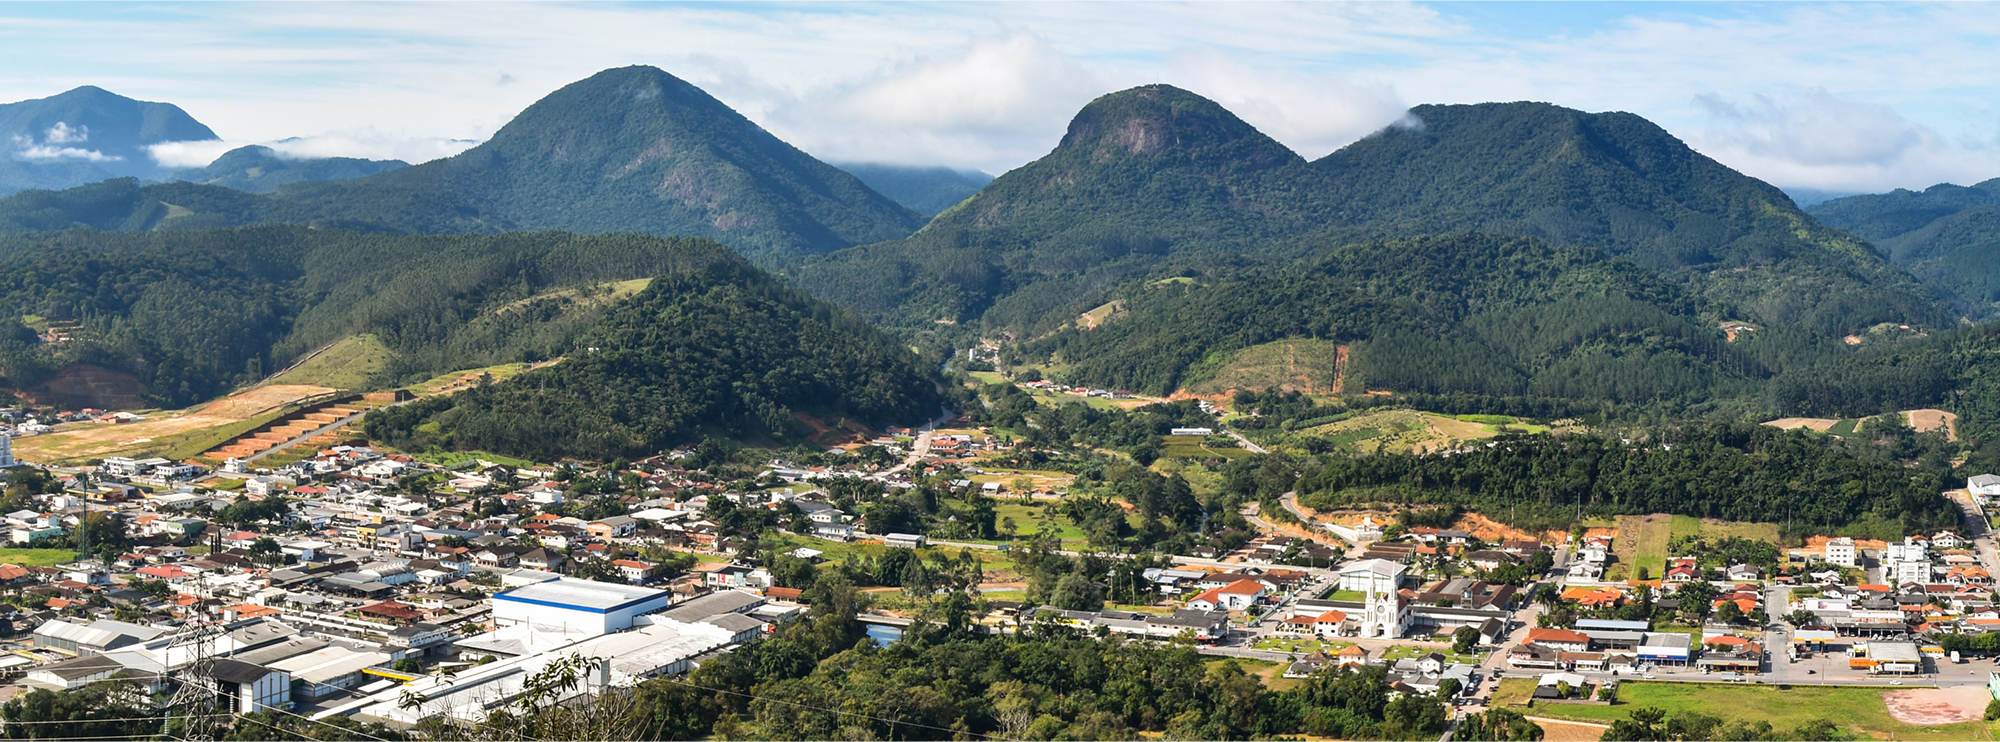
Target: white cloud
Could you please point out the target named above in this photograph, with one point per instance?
(370, 144)
(61, 133)
(1813, 138)
(26, 149)
(1312, 114)
(189, 154)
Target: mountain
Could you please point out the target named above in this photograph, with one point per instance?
(627, 150)
(723, 350)
(260, 169)
(1947, 235)
(925, 190)
(1464, 314)
(1155, 182)
(190, 314)
(86, 135)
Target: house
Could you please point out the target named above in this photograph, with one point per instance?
(1946, 540)
(614, 527)
(1552, 685)
(1531, 655)
(544, 560)
(633, 570)
(1234, 596)
(1322, 624)
(1489, 559)
(1562, 640)
(1744, 572)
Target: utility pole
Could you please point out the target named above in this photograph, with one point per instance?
(196, 694)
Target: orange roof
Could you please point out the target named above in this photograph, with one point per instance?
(1872, 587)
(12, 572)
(247, 610)
(1556, 636)
(1244, 586)
(1730, 641)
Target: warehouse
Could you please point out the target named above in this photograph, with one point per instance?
(564, 610)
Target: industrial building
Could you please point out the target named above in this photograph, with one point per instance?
(555, 612)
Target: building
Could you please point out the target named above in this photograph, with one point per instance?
(1666, 649)
(7, 452)
(573, 608)
(252, 688)
(1385, 613)
(1841, 551)
(1198, 432)
(1234, 596)
(1984, 485)
(903, 541)
(1907, 562)
(1889, 658)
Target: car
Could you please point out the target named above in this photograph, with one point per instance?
(1812, 672)
(1895, 682)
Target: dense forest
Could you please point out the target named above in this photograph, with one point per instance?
(721, 349)
(1741, 472)
(1155, 182)
(193, 314)
(1946, 235)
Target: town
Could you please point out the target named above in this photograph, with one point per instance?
(340, 583)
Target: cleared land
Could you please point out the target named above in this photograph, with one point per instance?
(456, 381)
(1412, 431)
(1820, 424)
(36, 557)
(353, 363)
(1712, 529)
(162, 431)
(1641, 542)
(1094, 318)
(1859, 709)
(1925, 421)
(1303, 365)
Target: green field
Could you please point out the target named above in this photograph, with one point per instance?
(1685, 525)
(1641, 542)
(1300, 364)
(355, 363)
(1400, 651)
(1858, 709)
(1195, 450)
(988, 377)
(36, 557)
(453, 458)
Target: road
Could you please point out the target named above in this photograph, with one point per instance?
(329, 427)
(922, 446)
(1244, 442)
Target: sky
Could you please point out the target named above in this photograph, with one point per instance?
(1844, 97)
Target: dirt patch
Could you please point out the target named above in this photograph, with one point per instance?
(1930, 707)
(1819, 424)
(1568, 731)
(1818, 543)
(83, 385)
(90, 440)
(848, 433)
(1490, 530)
(1925, 421)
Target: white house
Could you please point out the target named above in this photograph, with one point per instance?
(1234, 596)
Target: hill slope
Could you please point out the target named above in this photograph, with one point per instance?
(627, 150)
(1447, 314)
(86, 135)
(1156, 181)
(723, 350)
(925, 190)
(191, 314)
(260, 169)
(1947, 236)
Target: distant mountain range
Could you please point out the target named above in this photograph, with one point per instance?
(84, 136)
(1604, 219)
(1947, 235)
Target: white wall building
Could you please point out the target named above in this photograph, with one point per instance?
(7, 451)
(1841, 551)
(564, 610)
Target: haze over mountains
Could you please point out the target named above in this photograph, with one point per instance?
(1499, 249)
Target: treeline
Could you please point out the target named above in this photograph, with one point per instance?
(721, 349)
(193, 314)
(1737, 471)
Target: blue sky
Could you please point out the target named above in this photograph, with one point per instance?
(1843, 96)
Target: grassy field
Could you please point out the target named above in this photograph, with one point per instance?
(1785, 707)
(353, 363)
(1641, 542)
(1301, 645)
(1300, 364)
(1193, 449)
(1400, 651)
(1413, 431)
(36, 557)
(1273, 673)
(988, 377)
(1710, 529)
(453, 458)
(175, 434)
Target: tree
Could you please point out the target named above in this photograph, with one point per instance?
(407, 664)
(1075, 592)
(1464, 640)
(1729, 612)
(1449, 688)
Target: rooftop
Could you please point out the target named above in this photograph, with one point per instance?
(600, 597)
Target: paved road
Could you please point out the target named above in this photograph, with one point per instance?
(922, 446)
(1244, 442)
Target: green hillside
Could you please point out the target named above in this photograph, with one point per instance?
(720, 350)
(1155, 182)
(259, 169)
(1947, 236)
(627, 150)
(925, 190)
(1450, 314)
(193, 314)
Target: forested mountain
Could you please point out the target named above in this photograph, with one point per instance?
(260, 169)
(627, 150)
(1947, 235)
(86, 135)
(1156, 181)
(194, 313)
(925, 190)
(1464, 313)
(723, 349)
